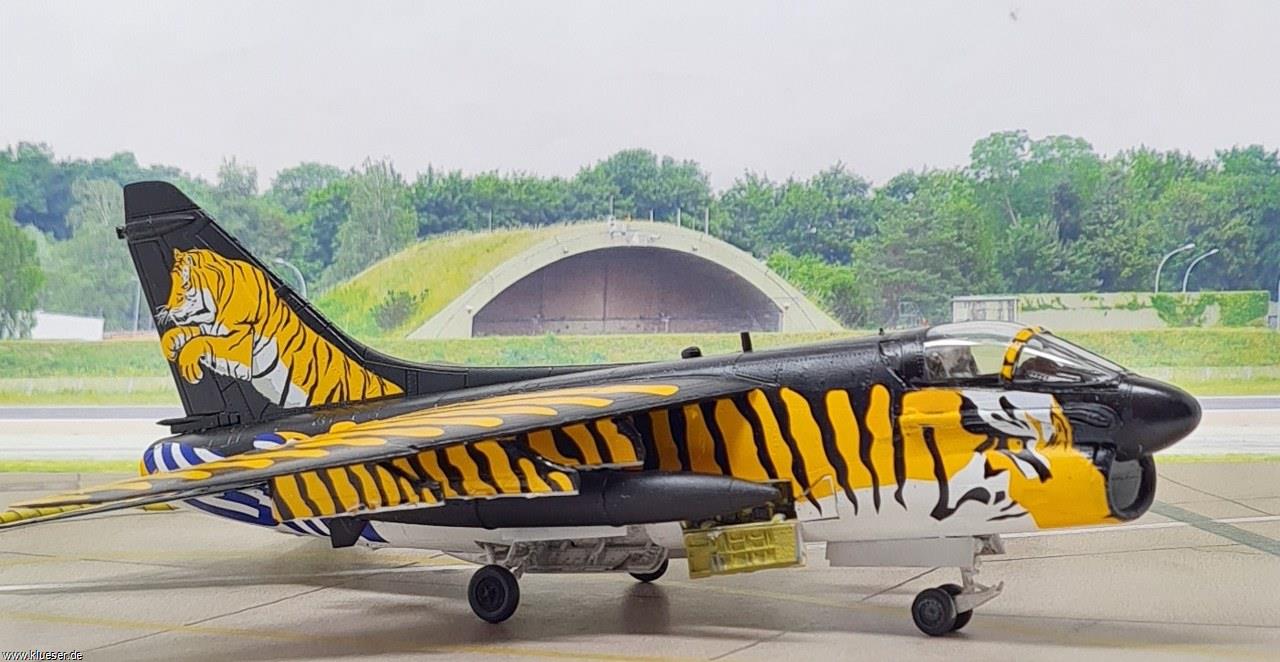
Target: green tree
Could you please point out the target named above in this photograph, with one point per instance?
(381, 221)
(834, 287)
(259, 222)
(922, 252)
(292, 188)
(639, 182)
(20, 276)
(91, 273)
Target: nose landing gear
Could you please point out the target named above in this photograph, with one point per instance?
(948, 608)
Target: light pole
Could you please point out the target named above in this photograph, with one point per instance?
(1166, 259)
(1191, 266)
(302, 282)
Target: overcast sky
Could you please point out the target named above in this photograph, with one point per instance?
(783, 88)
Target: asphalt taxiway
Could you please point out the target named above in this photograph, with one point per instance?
(1197, 577)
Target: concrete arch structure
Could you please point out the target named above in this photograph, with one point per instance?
(662, 278)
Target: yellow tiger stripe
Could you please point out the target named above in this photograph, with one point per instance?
(881, 428)
(474, 421)
(668, 456)
(585, 442)
(285, 490)
(368, 486)
(937, 410)
(326, 441)
(472, 485)
(504, 476)
(318, 493)
(431, 462)
(620, 446)
(405, 468)
(343, 490)
(544, 445)
(407, 490)
(848, 438)
(1015, 349)
(22, 514)
(388, 483)
(702, 448)
(644, 389)
(415, 430)
(561, 480)
(536, 483)
(428, 496)
(580, 400)
(779, 452)
(808, 437)
(740, 444)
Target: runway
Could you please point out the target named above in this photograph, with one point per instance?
(1230, 425)
(1194, 579)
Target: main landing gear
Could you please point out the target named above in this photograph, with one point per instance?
(948, 608)
(648, 577)
(494, 589)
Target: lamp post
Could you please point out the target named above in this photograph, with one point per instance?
(302, 282)
(1191, 266)
(1168, 255)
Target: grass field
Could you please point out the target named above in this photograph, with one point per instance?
(455, 262)
(1205, 361)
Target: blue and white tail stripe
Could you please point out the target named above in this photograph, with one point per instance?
(251, 505)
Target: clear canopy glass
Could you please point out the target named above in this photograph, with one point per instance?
(992, 351)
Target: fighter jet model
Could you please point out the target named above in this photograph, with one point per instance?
(913, 448)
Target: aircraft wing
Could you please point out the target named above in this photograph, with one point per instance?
(377, 444)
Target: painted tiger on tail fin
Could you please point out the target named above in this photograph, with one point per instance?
(227, 318)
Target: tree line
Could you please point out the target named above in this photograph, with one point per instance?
(1024, 215)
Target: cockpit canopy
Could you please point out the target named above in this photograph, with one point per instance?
(993, 352)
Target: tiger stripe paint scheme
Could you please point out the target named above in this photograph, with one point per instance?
(479, 470)
(593, 440)
(992, 456)
(874, 450)
(227, 318)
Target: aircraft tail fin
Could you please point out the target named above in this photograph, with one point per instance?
(241, 344)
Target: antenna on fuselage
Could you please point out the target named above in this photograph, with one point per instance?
(746, 340)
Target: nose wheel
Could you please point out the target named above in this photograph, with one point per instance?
(494, 593)
(948, 608)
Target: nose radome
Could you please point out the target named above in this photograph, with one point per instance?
(1159, 415)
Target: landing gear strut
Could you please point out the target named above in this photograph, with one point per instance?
(494, 593)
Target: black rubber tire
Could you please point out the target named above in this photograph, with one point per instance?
(934, 612)
(494, 593)
(962, 617)
(647, 577)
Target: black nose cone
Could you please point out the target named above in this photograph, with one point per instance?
(1158, 416)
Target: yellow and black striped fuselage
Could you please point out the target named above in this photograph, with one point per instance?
(887, 461)
(866, 455)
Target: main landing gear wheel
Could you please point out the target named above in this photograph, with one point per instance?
(494, 593)
(647, 577)
(934, 611)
